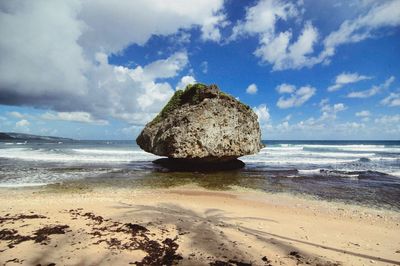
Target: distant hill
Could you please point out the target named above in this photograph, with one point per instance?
(9, 136)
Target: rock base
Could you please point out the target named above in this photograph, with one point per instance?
(190, 165)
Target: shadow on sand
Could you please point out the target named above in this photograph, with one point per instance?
(207, 233)
(205, 236)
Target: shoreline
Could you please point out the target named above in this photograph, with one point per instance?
(190, 225)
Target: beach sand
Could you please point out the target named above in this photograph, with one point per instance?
(189, 225)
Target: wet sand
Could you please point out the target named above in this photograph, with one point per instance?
(189, 225)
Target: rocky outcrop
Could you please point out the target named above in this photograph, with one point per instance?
(202, 124)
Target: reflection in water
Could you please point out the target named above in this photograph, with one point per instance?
(373, 189)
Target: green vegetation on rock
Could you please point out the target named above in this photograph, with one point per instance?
(192, 94)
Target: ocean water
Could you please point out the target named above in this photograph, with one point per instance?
(360, 172)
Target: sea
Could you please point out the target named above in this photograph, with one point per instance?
(354, 172)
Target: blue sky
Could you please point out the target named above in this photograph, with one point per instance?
(100, 70)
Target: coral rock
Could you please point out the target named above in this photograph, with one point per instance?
(202, 124)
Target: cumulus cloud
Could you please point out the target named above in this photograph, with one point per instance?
(55, 54)
(16, 114)
(211, 27)
(279, 49)
(363, 27)
(164, 68)
(372, 91)
(81, 117)
(363, 113)
(309, 127)
(262, 113)
(364, 94)
(282, 54)
(388, 119)
(22, 123)
(285, 88)
(111, 27)
(297, 97)
(251, 89)
(329, 112)
(262, 17)
(132, 94)
(41, 59)
(325, 125)
(346, 78)
(185, 80)
(204, 67)
(392, 100)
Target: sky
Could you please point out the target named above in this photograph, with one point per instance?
(99, 69)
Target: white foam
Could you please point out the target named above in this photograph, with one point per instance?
(395, 173)
(303, 158)
(344, 157)
(16, 185)
(76, 155)
(310, 172)
(107, 151)
(297, 156)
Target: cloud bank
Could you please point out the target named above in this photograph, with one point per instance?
(55, 54)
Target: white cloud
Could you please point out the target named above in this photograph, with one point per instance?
(262, 113)
(386, 14)
(278, 48)
(16, 114)
(372, 91)
(312, 128)
(363, 113)
(204, 67)
(252, 89)
(113, 26)
(41, 59)
(349, 127)
(163, 68)
(346, 78)
(132, 94)
(282, 54)
(185, 80)
(210, 27)
(262, 17)
(55, 54)
(329, 112)
(328, 127)
(364, 94)
(297, 97)
(288, 117)
(22, 123)
(285, 88)
(81, 117)
(389, 120)
(323, 102)
(131, 130)
(392, 100)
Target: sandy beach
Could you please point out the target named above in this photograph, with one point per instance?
(189, 225)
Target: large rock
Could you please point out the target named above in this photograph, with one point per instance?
(202, 124)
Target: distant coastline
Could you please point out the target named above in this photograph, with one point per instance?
(10, 136)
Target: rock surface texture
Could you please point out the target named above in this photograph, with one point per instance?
(202, 124)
